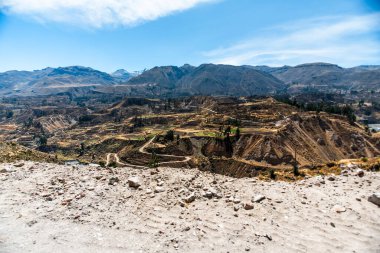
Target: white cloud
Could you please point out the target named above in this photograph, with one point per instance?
(346, 40)
(97, 13)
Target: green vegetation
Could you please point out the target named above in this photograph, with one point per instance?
(153, 163)
(169, 136)
(272, 174)
(345, 110)
(296, 170)
(9, 114)
(237, 133)
(42, 140)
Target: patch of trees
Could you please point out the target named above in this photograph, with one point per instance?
(138, 122)
(345, 110)
(9, 114)
(39, 113)
(169, 136)
(85, 118)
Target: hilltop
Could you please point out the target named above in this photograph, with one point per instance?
(206, 79)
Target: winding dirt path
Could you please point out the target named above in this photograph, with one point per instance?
(143, 151)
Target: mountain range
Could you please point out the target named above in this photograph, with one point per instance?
(206, 79)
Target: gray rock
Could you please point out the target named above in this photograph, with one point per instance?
(375, 198)
(113, 180)
(360, 173)
(338, 209)
(159, 189)
(18, 165)
(6, 170)
(208, 194)
(258, 198)
(189, 198)
(134, 182)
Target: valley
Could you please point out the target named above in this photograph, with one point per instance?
(192, 159)
(235, 136)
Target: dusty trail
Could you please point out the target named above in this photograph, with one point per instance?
(143, 151)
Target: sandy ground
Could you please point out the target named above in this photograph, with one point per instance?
(56, 208)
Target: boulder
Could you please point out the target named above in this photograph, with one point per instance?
(189, 198)
(360, 173)
(375, 198)
(338, 209)
(159, 189)
(134, 182)
(248, 206)
(113, 180)
(258, 198)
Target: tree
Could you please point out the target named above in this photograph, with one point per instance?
(9, 114)
(153, 163)
(169, 136)
(237, 134)
(296, 171)
(272, 174)
(42, 140)
(81, 151)
(228, 144)
(227, 131)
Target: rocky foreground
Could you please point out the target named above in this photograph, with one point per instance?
(56, 208)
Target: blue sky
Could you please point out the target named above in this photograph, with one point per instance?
(138, 34)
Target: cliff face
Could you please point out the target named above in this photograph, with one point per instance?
(311, 139)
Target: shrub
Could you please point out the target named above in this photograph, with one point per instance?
(272, 174)
(169, 136)
(112, 164)
(296, 171)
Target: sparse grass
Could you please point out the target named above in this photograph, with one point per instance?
(206, 134)
(10, 152)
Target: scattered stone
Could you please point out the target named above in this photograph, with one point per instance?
(258, 198)
(190, 198)
(247, 206)
(31, 223)
(5, 170)
(134, 182)
(208, 194)
(66, 202)
(237, 201)
(113, 180)
(159, 189)
(80, 195)
(338, 209)
(45, 194)
(360, 173)
(331, 178)
(375, 198)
